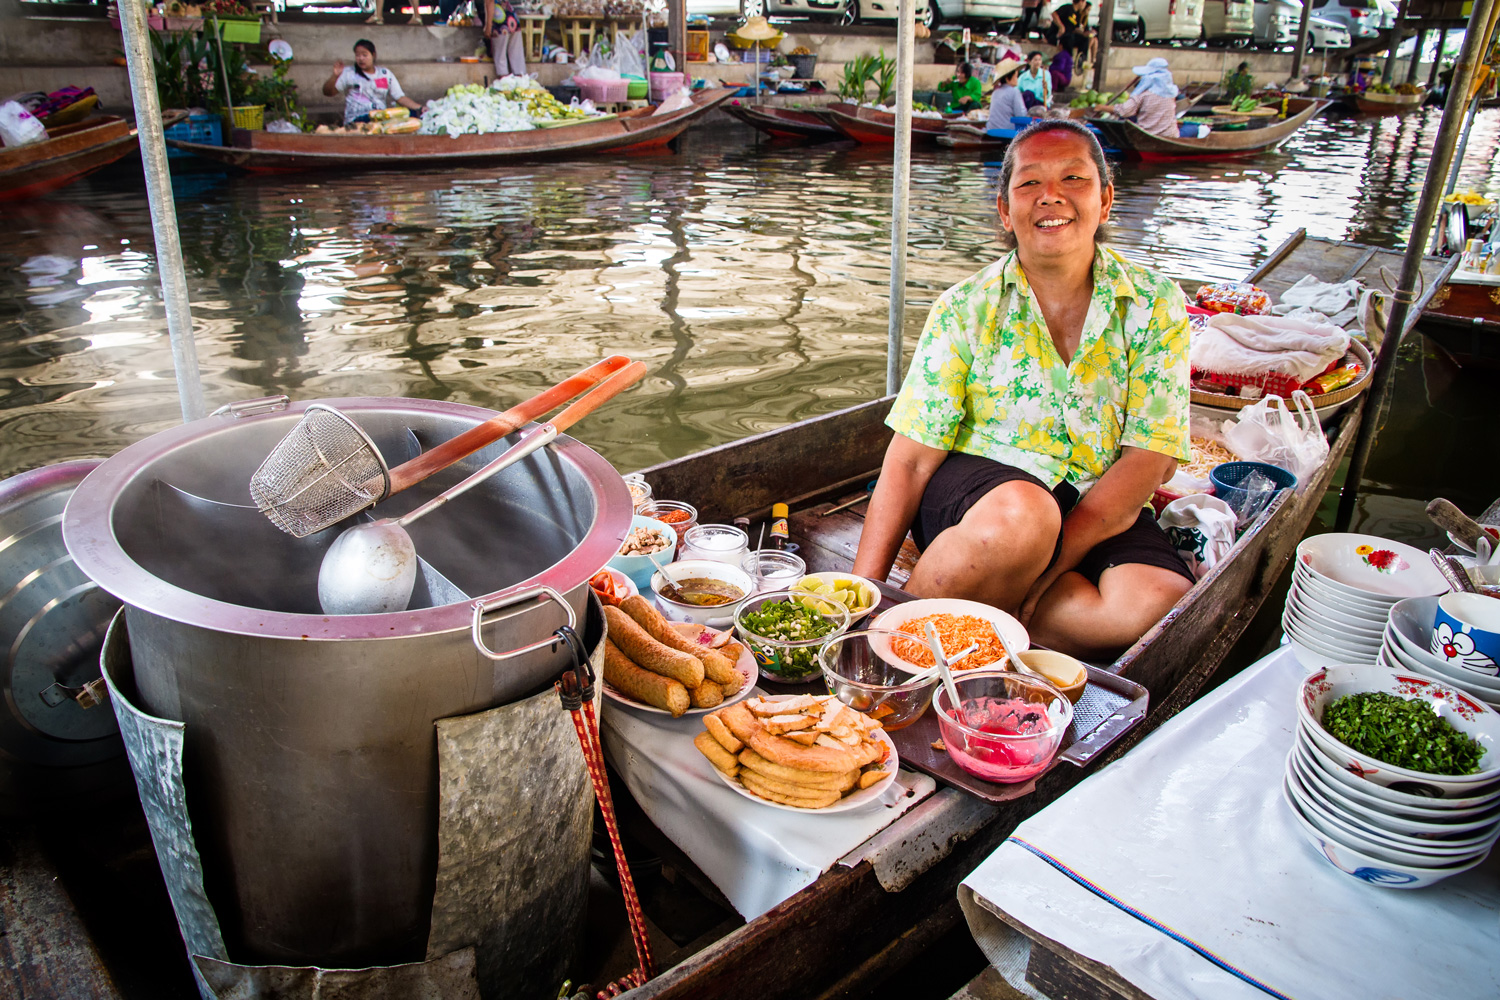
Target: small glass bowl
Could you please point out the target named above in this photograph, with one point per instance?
(640, 492)
(989, 746)
(774, 569)
(720, 542)
(682, 525)
(790, 661)
(862, 673)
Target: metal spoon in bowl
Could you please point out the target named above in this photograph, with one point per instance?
(371, 568)
(942, 667)
(668, 588)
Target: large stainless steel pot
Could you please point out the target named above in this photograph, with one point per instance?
(310, 757)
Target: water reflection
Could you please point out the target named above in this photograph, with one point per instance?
(751, 277)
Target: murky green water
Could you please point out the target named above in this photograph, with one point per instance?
(751, 277)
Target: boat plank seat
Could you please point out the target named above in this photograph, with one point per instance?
(829, 542)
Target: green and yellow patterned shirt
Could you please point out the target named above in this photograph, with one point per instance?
(987, 379)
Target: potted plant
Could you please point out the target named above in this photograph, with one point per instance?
(857, 73)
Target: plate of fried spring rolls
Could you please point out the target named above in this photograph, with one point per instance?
(655, 665)
(805, 753)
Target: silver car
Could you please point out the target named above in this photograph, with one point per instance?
(1363, 18)
(1276, 24)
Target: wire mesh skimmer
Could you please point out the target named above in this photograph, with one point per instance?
(325, 470)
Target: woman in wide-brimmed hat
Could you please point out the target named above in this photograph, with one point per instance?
(1006, 101)
(1153, 102)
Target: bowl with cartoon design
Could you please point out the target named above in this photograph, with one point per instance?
(1466, 632)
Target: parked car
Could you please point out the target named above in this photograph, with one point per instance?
(1002, 15)
(1361, 17)
(1165, 20)
(1388, 13)
(1276, 24)
(1230, 21)
(1325, 35)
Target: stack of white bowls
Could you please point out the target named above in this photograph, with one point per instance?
(1382, 824)
(1343, 588)
(1406, 644)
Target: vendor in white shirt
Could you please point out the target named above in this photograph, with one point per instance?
(365, 86)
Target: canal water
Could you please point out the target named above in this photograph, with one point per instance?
(750, 276)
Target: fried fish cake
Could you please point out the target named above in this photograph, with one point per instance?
(813, 800)
(717, 755)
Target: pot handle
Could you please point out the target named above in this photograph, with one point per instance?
(482, 608)
(250, 407)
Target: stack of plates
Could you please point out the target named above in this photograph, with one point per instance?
(1388, 825)
(1406, 644)
(1343, 589)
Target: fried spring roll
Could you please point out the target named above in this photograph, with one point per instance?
(707, 695)
(643, 685)
(716, 666)
(636, 643)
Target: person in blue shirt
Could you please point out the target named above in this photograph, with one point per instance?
(1006, 101)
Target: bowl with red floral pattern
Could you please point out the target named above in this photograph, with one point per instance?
(1369, 566)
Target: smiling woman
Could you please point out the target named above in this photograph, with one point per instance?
(1047, 400)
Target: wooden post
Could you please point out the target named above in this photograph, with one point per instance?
(677, 37)
(1416, 55)
(1302, 32)
(1437, 59)
(906, 41)
(1389, 72)
(1106, 38)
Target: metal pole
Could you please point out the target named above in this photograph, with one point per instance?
(1389, 72)
(1416, 55)
(906, 44)
(152, 139)
(1437, 60)
(1106, 37)
(1303, 27)
(1427, 208)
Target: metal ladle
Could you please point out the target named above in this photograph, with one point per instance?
(371, 568)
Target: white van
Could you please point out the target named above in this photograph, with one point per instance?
(1165, 20)
(1229, 20)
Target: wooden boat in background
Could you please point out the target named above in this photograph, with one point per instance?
(68, 153)
(287, 151)
(783, 123)
(1389, 104)
(1463, 318)
(873, 127)
(1135, 142)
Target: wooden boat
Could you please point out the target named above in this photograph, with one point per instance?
(965, 135)
(783, 123)
(278, 151)
(1135, 142)
(68, 153)
(873, 127)
(1463, 318)
(1389, 104)
(880, 907)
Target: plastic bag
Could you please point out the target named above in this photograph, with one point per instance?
(1269, 431)
(676, 102)
(1201, 529)
(18, 127)
(1253, 496)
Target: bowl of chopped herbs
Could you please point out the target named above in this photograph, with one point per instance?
(1402, 731)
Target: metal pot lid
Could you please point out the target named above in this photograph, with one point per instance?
(193, 480)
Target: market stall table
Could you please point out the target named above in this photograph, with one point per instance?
(1226, 899)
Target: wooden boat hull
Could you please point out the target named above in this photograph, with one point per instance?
(971, 137)
(1388, 104)
(878, 128)
(1136, 143)
(275, 151)
(71, 152)
(1463, 318)
(784, 123)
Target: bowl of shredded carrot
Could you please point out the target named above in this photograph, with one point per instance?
(958, 624)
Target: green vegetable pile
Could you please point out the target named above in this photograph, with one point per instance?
(1089, 98)
(1380, 88)
(1405, 732)
(1244, 104)
(786, 622)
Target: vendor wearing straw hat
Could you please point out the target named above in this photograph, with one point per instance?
(1006, 101)
(1046, 402)
(1153, 102)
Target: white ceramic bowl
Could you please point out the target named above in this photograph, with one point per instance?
(1355, 792)
(1339, 595)
(1332, 635)
(624, 585)
(1310, 658)
(1364, 867)
(1463, 712)
(1324, 647)
(1458, 830)
(1485, 798)
(1013, 634)
(1389, 848)
(867, 587)
(1325, 615)
(715, 616)
(1371, 566)
(1400, 657)
(1411, 629)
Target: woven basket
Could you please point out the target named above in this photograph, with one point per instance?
(247, 116)
(1357, 352)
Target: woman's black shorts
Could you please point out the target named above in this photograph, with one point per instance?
(962, 480)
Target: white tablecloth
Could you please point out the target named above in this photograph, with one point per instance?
(1191, 829)
(756, 854)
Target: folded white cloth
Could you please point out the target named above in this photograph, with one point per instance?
(1339, 303)
(1256, 345)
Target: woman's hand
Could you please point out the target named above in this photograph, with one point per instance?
(338, 67)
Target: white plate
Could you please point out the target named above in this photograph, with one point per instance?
(1013, 635)
(1460, 545)
(854, 800)
(1339, 596)
(1372, 566)
(624, 586)
(745, 665)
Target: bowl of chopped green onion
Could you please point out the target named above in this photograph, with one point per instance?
(1402, 731)
(784, 629)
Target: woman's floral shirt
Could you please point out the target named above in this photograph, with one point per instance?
(987, 380)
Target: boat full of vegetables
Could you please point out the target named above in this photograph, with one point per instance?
(510, 104)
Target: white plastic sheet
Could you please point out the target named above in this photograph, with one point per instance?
(756, 854)
(1190, 828)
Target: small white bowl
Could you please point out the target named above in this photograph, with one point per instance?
(1364, 867)
(1357, 624)
(1370, 565)
(1471, 804)
(867, 588)
(1311, 659)
(1333, 636)
(1411, 629)
(1316, 642)
(624, 585)
(715, 616)
(1400, 657)
(1304, 581)
(1465, 713)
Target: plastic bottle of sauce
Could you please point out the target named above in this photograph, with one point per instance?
(780, 533)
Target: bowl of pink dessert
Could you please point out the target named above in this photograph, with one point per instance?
(1010, 725)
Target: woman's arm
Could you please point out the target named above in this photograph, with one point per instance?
(904, 475)
(489, 18)
(331, 85)
(407, 102)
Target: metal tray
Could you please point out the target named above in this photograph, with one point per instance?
(1111, 705)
